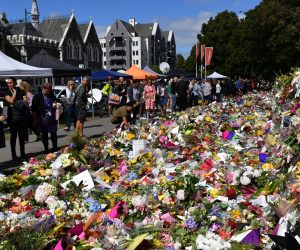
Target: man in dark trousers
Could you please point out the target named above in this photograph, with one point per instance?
(81, 95)
(133, 96)
(182, 90)
(16, 120)
(43, 111)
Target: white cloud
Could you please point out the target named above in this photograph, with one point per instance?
(186, 30)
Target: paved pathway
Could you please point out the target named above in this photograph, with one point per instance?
(93, 128)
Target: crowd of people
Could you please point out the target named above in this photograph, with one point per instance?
(40, 113)
(127, 100)
(148, 97)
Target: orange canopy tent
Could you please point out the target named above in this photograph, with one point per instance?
(139, 74)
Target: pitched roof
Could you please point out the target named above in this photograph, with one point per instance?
(128, 26)
(2, 24)
(165, 34)
(19, 28)
(54, 28)
(83, 29)
(144, 30)
(44, 60)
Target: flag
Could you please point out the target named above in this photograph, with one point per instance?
(202, 53)
(208, 55)
(197, 52)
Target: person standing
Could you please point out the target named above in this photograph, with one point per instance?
(195, 93)
(70, 109)
(141, 88)
(206, 90)
(133, 96)
(25, 86)
(2, 136)
(218, 91)
(43, 109)
(162, 93)
(81, 93)
(182, 90)
(149, 96)
(16, 119)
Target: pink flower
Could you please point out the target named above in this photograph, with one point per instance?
(162, 139)
(229, 177)
(39, 213)
(33, 160)
(168, 123)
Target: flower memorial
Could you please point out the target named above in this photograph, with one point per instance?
(218, 176)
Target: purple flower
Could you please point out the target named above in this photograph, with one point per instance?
(191, 224)
(131, 176)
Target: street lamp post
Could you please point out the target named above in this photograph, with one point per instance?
(26, 33)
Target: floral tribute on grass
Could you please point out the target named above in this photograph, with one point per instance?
(221, 176)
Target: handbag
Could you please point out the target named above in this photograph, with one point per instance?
(47, 118)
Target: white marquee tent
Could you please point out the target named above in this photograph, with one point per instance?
(216, 75)
(10, 67)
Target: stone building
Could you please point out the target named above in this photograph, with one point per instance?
(62, 37)
(128, 43)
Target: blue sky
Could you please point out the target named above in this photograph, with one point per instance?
(184, 17)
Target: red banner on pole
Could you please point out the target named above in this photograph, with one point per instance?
(197, 52)
(202, 53)
(208, 55)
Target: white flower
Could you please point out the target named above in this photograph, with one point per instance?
(52, 202)
(245, 180)
(211, 241)
(43, 192)
(139, 201)
(180, 195)
(257, 173)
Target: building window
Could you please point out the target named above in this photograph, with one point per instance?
(70, 48)
(137, 53)
(133, 52)
(96, 54)
(136, 61)
(136, 43)
(90, 52)
(104, 63)
(104, 53)
(77, 50)
(104, 45)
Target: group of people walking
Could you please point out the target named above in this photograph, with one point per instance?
(40, 113)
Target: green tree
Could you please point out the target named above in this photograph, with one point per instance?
(218, 33)
(156, 69)
(180, 62)
(190, 64)
(265, 42)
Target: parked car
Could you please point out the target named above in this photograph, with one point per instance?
(60, 91)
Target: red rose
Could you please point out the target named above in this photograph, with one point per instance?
(231, 193)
